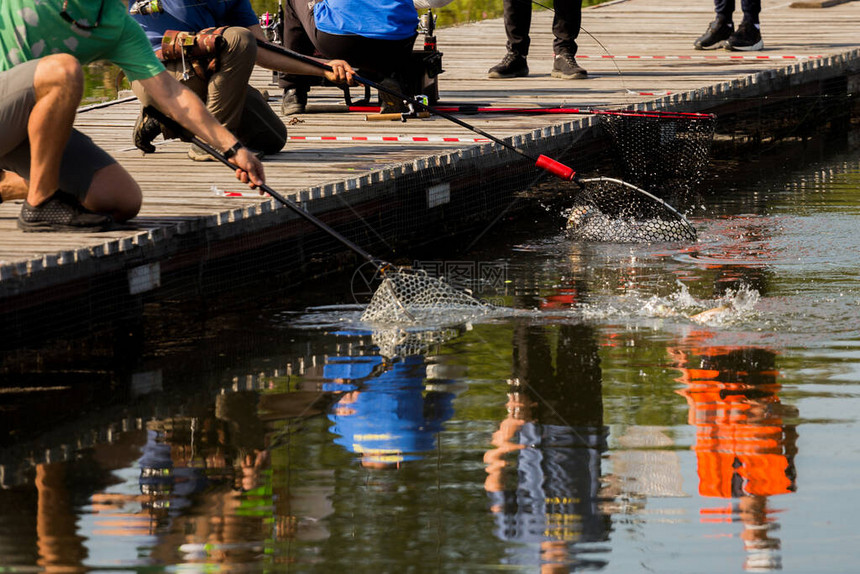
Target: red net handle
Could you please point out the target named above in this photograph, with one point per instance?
(555, 168)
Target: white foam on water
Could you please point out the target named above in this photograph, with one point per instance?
(732, 306)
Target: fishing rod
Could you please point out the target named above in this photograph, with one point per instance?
(477, 109)
(546, 163)
(186, 135)
(403, 292)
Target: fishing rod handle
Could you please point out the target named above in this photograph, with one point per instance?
(556, 168)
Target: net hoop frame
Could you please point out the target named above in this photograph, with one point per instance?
(680, 216)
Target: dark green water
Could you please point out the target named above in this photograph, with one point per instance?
(597, 428)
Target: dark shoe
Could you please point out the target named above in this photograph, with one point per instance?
(294, 101)
(146, 129)
(747, 38)
(61, 212)
(512, 66)
(389, 103)
(565, 67)
(717, 32)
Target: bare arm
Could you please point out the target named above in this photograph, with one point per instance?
(341, 72)
(183, 105)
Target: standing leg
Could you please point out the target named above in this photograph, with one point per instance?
(565, 28)
(751, 10)
(720, 29)
(518, 21)
(566, 24)
(724, 10)
(748, 35)
(299, 27)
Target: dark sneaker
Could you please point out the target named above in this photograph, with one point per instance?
(294, 101)
(146, 129)
(512, 66)
(389, 103)
(565, 67)
(717, 32)
(747, 38)
(61, 212)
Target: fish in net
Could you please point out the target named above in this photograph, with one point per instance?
(610, 210)
(413, 296)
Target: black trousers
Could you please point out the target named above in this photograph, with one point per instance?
(374, 58)
(565, 25)
(750, 8)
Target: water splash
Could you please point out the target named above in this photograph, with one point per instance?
(732, 306)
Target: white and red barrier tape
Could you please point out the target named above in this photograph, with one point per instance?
(703, 57)
(396, 139)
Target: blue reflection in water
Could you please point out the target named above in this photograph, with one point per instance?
(384, 415)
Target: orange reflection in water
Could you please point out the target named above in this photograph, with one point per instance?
(744, 448)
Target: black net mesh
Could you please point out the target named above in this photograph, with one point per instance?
(611, 210)
(660, 159)
(666, 154)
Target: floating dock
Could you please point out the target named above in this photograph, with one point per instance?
(393, 186)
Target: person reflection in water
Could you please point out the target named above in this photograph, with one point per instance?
(386, 415)
(554, 429)
(744, 449)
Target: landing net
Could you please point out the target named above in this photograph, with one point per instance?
(661, 161)
(610, 210)
(412, 296)
(666, 155)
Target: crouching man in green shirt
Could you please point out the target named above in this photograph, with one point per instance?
(70, 184)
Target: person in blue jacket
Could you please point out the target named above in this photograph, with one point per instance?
(376, 36)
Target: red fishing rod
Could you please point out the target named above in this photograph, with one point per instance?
(547, 163)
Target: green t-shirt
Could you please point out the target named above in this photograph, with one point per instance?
(31, 29)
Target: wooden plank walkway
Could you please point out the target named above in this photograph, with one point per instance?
(637, 52)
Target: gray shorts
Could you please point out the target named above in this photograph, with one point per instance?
(81, 158)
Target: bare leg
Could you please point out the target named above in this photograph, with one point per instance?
(114, 192)
(59, 86)
(12, 186)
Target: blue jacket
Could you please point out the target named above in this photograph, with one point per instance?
(195, 15)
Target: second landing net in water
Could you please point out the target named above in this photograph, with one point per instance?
(412, 296)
